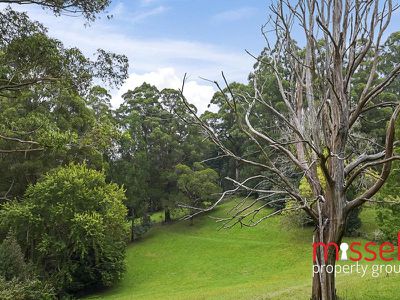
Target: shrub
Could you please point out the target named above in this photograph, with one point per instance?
(72, 226)
(388, 219)
(388, 214)
(353, 223)
(298, 217)
(28, 289)
(17, 279)
(198, 185)
(140, 227)
(12, 262)
(293, 217)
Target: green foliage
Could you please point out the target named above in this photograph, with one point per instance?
(30, 289)
(388, 218)
(155, 138)
(388, 215)
(298, 217)
(72, 226)
(370, 125)
(12, 262)
(353, 224)
(88, 8)
(305, 188)
(199, 185)
(140, 227)
(294, 217)
(17, 279)
(227, 125)
(51, 112)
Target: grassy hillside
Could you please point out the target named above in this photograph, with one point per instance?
(179, 261)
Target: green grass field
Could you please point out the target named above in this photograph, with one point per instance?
(179, 261)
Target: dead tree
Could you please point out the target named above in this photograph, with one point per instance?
(334, 39)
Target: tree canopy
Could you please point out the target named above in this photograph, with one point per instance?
(71, 224)
(89, 9)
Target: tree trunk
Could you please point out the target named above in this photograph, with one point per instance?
(132, 229)
(132, 213)
(167, 216)
(332, 222)
(237, 170)
(191, 220)
(323, 282)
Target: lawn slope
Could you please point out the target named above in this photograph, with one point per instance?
(179, 261)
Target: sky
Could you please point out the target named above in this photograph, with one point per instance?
(164, 39)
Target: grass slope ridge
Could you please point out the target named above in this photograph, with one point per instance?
(179, 261)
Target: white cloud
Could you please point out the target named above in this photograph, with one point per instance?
(146, 54)
(122, 13)
(199, 95)
(150, 55)
(235, 14)
(196, 93)
(146, 14)
(147, 2)
(151, 59)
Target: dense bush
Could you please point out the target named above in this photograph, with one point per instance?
(388, 214)
(140, 227)
(28, 289)
(388, 219)
(198, 185)
(12, 262)
(72, 226)
(293, 217)
(353, 223)
(17, 279)
(298, 217)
